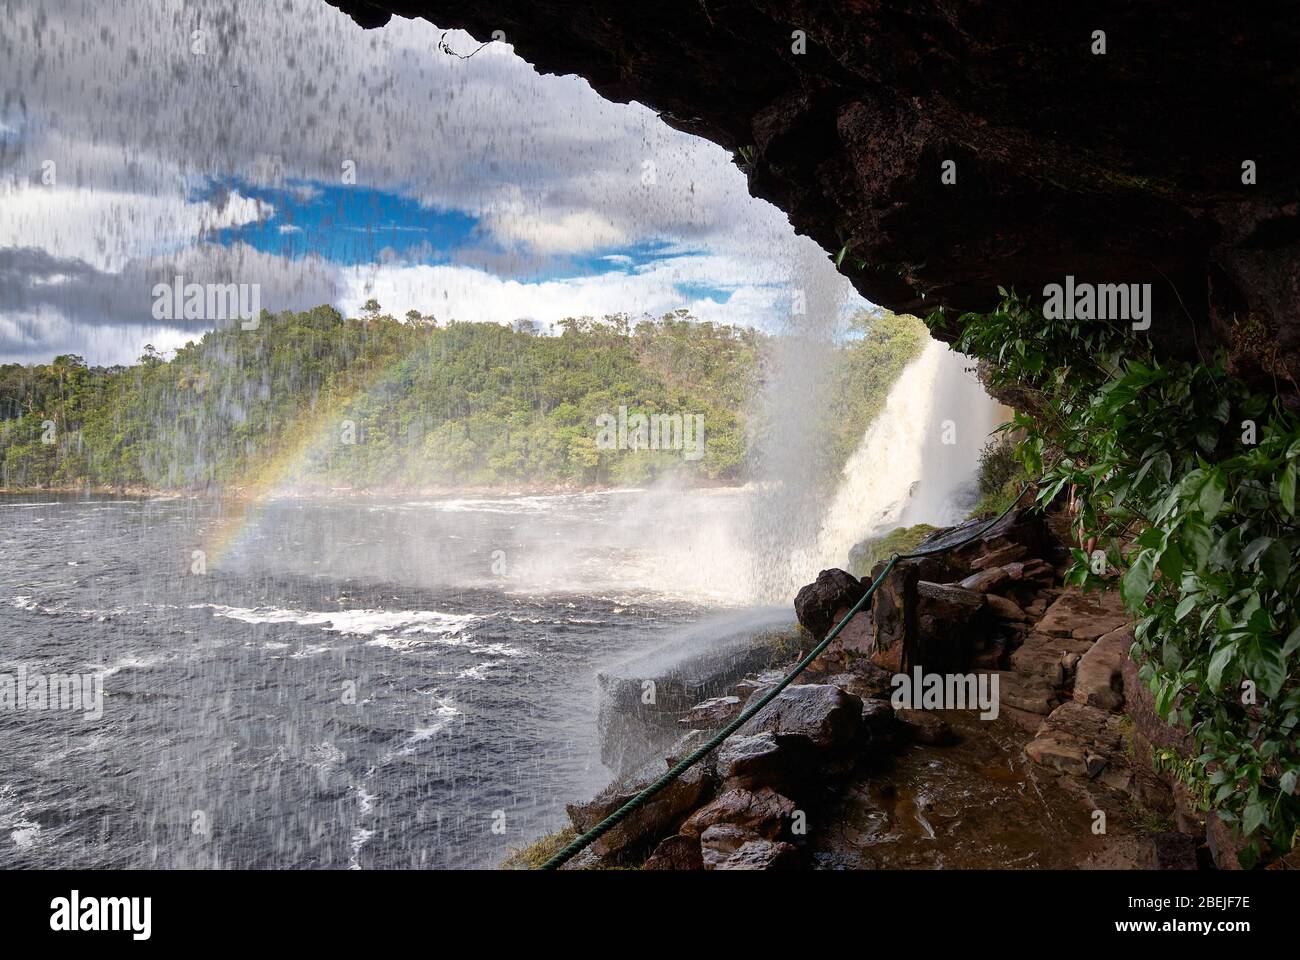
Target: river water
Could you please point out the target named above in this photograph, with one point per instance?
(392, 683)
(342, 683)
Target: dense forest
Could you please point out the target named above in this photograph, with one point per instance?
(318, 400)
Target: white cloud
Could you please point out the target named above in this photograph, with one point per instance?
(107, 228)
(290, 91)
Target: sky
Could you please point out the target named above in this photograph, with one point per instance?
(276, 143)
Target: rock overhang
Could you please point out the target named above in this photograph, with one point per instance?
(1122, 166)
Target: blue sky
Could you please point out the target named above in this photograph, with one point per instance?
(478, 189)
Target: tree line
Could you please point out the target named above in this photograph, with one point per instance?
(317, 398)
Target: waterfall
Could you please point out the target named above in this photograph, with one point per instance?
(918, 458)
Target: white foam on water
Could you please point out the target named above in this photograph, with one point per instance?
(23, 833)
(357, 622)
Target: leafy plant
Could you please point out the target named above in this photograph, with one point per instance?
(1184, 481)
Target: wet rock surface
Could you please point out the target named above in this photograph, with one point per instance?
(833, 592)
(658, 817)
(823, 714)
(831, 774)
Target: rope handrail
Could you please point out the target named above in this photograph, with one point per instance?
(578, 844)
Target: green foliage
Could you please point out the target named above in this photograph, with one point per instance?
(1001, 477)
(1200, 521)
(865, 555)
(466, 404)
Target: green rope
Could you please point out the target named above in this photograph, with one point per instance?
(622, 813)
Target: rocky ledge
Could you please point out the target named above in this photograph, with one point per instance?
(818, 776)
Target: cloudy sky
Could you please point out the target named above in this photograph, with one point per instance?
(141, 139)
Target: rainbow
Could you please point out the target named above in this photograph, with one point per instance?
(315, 430)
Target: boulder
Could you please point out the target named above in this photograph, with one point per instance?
(676, 853)
(763, 855)
(763, 812)
(985, 580)
(950, 625)
(877, 717)
(655, 819)
(712, 713)
(823, 714)
(864, 679)
(686, 744)
(1014, 571)
(817, 603)
(1099, 675)
(1083, 617)
(1004, 609)
(855, 641)
(945, 601)
(752, 762)
(1076, 739)
(893, 612)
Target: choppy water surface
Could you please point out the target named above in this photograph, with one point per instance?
(350, 683)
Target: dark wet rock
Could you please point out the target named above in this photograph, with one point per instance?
(1026, 692)
(1099, 676)
(721, 840)
(748, 686)
(655, 819)
(924, 726)
(1004, 608)
(1083, 616)
(823, 714)
(855, 641)
(713, 713)
(950, 623)
(763, 855)
(877, 716)
(986, 580)
(997, 556)
(817, 603)
(894, 612)
(1041, 655)
(947, 602)
(686, 744)
(676, 853)
(1076, 739)
(759, 760)
(864, 680)
(764, 812)
(1144, 851)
